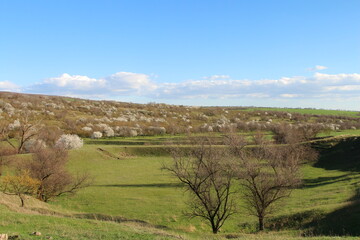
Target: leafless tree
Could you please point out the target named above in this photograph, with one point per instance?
(22, 133)
(268, 173)
(289, 134)
(285, 133)
(207, 175)
(49, 134)
(48, 167)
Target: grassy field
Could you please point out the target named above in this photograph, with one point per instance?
(135, 199)
(310, 111)
(135, 187)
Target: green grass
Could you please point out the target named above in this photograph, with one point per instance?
(310, 111)
(151, 202)
(21, 224)
(136, 188)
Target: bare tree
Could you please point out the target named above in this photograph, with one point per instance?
(48, 167)
(268, 174)
(49, 134)
(23, 133)
(207, 174)
(285, 133)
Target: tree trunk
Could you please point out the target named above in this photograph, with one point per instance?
(214, 228)
(261, 223)
(22, 200)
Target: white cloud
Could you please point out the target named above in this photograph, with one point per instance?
(128, 81)
(217, 77)
(343, 88)
(287, 95)
(317, 68)
(75, 82)
(121, 83)
(9, 86)
(338, 78)
(127, 85)
(299, 87)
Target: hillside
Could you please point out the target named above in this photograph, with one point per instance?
(111, 118)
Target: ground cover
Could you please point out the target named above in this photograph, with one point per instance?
(309, 111)
(135, 187)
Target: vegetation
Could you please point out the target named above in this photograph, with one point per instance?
(208, 176)
(19, 185)
(135, 199)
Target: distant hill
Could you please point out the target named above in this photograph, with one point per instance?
(112, 118)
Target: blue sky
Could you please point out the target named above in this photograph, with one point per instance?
(285, 53)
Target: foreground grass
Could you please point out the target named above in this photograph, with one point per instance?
(23, 225)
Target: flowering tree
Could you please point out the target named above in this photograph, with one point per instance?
(69, 141)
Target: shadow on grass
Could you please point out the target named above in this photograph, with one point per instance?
(342, 222)
(344, 156)
(159, 185)
(321, 181)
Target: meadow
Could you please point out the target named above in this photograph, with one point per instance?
(130, 187)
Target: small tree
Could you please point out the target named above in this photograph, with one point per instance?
(208, 177)
(48, 167)
(23, 132)
(19, 185)
(69, 141)
(268, 174)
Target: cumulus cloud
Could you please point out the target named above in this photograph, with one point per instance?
(317, 68)
(9, 86)
(121, 83)
(76, 82)
(300, 87)
(319, 86)
(129, 82)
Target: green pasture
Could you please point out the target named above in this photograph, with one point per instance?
(135, 187)
(308, 111)
(23, 225)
